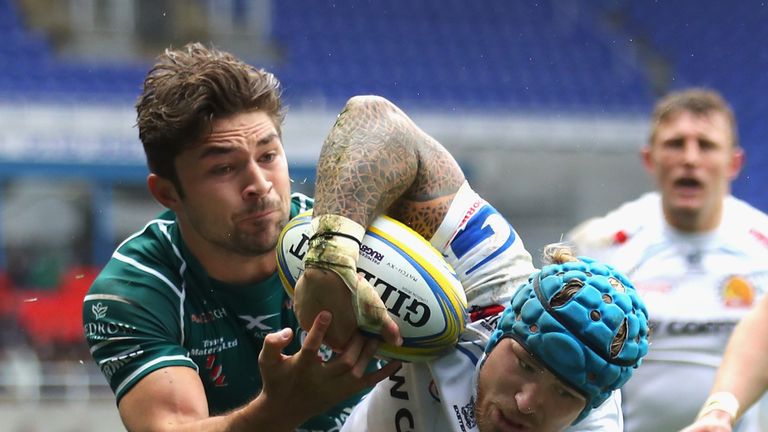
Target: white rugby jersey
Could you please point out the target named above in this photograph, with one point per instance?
(491, 262)
(696, 287)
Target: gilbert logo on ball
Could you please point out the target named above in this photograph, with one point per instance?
(419, 288)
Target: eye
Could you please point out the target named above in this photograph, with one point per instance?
(565, 394)
(675, 143)
(705, 144)
(222, 169)
(268, 157)
(525, 366)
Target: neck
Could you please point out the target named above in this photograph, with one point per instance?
(692, 222)
(229, 266)
(239, 269)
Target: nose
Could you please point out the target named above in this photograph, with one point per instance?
(528, 398)
(257, 184)
(691, 151)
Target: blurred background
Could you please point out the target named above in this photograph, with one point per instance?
(544, 103)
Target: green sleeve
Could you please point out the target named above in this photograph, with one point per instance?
(133, 323)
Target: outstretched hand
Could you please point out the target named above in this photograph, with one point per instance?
(319, 289)
(302, 385)
(713, 421)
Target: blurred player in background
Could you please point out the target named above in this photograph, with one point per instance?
(698, 256)
(540, 365)
(399, 170)
(742, 377)
(188, 321)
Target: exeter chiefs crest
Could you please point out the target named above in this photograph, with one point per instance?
(740, 291)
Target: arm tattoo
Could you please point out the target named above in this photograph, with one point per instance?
(377, 161)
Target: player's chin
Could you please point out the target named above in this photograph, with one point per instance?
(686, 207)
(258, 241)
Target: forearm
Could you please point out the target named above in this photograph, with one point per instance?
(260, 415)
(744, 370)
(173, 399)
(375, 157)
(254, 417)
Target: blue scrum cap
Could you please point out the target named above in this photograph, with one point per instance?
(572, 334)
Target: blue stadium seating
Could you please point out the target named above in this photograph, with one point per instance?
(30, 69)
(546, 56)
(482, 55)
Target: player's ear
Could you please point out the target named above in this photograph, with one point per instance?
(163, 190)
(737, 162)
(647, 157)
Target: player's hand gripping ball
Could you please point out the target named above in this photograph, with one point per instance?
(418, 287)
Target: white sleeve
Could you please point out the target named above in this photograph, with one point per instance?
(483, 248)
(607, 417)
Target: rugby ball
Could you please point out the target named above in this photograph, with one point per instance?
(419, 288)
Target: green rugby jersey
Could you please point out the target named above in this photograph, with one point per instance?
(153, 305)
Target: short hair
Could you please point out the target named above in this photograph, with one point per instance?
(187, 89)
(699, 101)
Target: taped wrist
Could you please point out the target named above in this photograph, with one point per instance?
(723, 401)
(335, 246)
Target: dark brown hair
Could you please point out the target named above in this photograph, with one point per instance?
(186, 90)
(699, 101)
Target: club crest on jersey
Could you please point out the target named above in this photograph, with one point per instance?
(99, 311)
(738, 292)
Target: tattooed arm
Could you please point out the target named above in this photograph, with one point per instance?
(374, 161)
(377, 161)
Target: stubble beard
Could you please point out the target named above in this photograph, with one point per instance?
(262, 242)
(480, 415)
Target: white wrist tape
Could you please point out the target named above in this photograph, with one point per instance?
(335, 245)
(723, 401)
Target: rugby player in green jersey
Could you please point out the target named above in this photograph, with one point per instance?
(188, 320)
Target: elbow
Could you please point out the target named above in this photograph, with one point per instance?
(368, 102)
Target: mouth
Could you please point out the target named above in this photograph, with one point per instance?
(256, 216)
(510, 423)
(687, 185)
(258, 211)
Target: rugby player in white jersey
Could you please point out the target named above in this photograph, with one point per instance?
(697, 255)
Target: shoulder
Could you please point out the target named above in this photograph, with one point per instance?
(149, 258)
(744, 209)
(618, 225)
(739, 214)
(140, 291)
